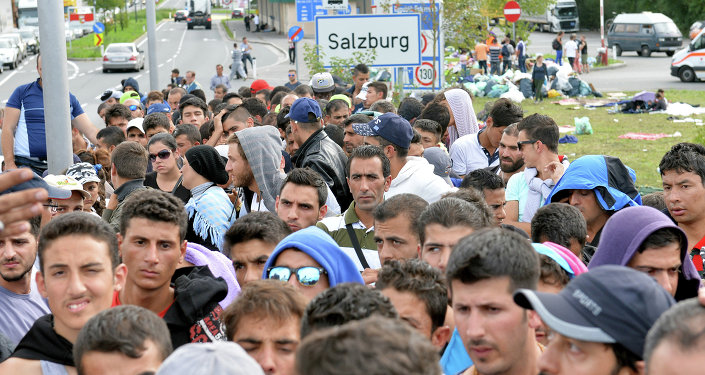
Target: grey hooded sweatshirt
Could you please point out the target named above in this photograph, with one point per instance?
(262, 147)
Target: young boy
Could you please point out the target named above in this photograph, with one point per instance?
(152, 245)
(79, 272)
(430, 132)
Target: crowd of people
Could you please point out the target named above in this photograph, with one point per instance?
(314, 228)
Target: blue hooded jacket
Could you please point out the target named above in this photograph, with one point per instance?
(611, 180)
(321, 247)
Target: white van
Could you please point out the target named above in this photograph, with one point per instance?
(688, 64)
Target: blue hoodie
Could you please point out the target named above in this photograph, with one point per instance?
(321, 247)
(611, 180)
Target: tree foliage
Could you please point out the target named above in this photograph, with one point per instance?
(466, 21)
(314, 60)
(682, 12)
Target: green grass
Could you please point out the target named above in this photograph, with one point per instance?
(642, 156)
(84, 47)
(224, 22)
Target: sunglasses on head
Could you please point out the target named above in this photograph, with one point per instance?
(163, 154)
(307, 276)
(133, 107)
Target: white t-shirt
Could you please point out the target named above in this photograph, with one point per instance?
(468, 155)
(571, 48)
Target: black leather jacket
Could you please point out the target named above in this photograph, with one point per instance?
(324, 156)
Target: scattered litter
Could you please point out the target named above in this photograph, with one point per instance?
(644, 136)
(566, 129)
(616, 95)
(582, 125)
(616, 120)
(682, 109)
(568, 139)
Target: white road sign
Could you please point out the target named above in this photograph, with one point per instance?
(395, 37)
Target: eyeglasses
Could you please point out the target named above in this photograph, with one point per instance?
(133, 107)
(56, 209)
(307, 276)
(163, 154)
(292, 75)
(521, 144)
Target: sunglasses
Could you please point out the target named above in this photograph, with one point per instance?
(133, 107)
(292, 75)
(529, 142)
(307, 276)
(163, 154)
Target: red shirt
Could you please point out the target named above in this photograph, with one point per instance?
(116, 302)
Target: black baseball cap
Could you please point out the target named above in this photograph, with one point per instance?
(609, 304)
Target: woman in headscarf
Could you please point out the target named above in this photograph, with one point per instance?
(210, 210)
(462, 115)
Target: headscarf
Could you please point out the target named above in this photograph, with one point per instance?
(465, 120)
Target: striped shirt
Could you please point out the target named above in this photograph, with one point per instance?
(335, 227)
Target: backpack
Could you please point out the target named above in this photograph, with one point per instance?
(505, 51)
(556, 45)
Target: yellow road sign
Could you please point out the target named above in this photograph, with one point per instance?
(98, 39)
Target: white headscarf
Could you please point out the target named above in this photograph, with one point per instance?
(464, 114)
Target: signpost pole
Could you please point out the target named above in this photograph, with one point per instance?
(152, 45)
(296, 58)
(55, 86)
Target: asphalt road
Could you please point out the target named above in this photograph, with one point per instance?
(640, 73)
(198, 50)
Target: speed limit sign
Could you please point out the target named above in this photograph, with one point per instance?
(425, 74)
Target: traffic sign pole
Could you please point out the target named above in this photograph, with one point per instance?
(296, 33)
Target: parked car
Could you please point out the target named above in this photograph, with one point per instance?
(17, 40)
(31, 39)
(123, 56)
(695, 29)
(644, 33)
(688, 64)
(180, 15)
(237, 13)
(9, 54)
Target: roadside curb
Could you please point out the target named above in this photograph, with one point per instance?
(609, 67)
(259, 41)
(136, 41)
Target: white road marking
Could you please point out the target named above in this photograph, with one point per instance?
(75, 73)
(8, 77)
(157, 29)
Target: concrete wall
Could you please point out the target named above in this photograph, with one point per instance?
(285, 16)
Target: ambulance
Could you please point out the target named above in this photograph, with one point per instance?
(688, 64)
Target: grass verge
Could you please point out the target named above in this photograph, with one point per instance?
(642, 156)
(84, 47)
(224, 22)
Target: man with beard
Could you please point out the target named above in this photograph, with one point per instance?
(510, 159)
(20, 301)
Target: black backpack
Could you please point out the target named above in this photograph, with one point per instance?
(556, 44)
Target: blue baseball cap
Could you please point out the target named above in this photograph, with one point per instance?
(389, 126)
(38, 182)
(302, 107)
(158, 107)
(609, 304)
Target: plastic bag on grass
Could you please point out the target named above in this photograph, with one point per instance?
(582, 125)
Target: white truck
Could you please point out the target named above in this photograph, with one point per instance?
(199, 14)
(559, 16)
(27, 15)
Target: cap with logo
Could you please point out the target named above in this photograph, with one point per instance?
(83, 173)
(107, 94)
(129, 95)
(159, 107)
(609, 304)
(322, 82)
(302, 107)
(38, 182)
(66, 183)
(389, 126)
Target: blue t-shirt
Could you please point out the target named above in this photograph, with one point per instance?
(19, 311)
(30, 137)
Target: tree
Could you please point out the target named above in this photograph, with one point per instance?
(468, 21)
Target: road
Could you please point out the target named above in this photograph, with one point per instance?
(198, 50)
(640, 73)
